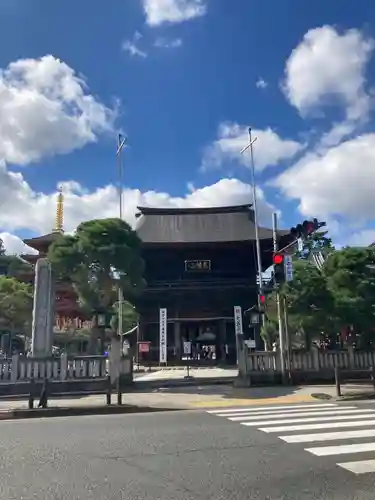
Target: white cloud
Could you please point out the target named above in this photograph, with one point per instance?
(22, 208)
(261, 84)
(335, 178)
(339, 181)
(14, 245)
(269, 149)
(362, 238)
(45, 109)
(172, 11)
(164, 43)
(328, 67)
(131, 46)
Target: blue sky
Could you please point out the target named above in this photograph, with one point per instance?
(183, 79)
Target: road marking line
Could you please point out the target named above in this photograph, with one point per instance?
(326, 451)
(260, 423)
(316, 412)
(328, 436)
(248, 401)
(359, 467)
(272, 408)
(329, 425)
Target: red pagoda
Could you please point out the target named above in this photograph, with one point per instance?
(68, 314)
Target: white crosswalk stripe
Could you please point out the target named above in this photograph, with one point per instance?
(315, 424)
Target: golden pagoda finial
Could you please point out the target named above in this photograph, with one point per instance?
(59, 212)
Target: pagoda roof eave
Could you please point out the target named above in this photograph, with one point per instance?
(45, 239)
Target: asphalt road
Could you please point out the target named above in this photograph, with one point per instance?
(167, 456)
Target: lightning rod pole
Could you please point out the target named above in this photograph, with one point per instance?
(278, 303)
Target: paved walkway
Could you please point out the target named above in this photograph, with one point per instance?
(179, 373)
(200, 397)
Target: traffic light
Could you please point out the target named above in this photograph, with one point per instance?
(278, 268)
(305, 229)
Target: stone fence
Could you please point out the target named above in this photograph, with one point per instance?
(310, 366)
(65, 373)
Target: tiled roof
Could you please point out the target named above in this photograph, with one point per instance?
(199, 225)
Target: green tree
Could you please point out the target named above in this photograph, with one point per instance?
(16, 303)
(102, 255)
(130, 317)
(309, 300)
(269, 333)
(12, 265)
(352, 285)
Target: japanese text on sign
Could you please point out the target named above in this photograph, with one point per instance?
(163, 336)
(238, 320)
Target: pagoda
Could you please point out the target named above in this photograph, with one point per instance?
(69, 317)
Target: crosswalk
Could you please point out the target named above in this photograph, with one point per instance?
(326, 429)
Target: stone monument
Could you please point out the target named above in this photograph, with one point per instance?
(43, 310)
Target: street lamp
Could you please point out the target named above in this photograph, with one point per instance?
(257, 240)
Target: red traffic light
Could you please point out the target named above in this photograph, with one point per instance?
(262, 299)
(278, 259)
(309, 227)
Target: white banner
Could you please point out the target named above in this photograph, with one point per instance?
(163, 336)
(238, 320)
(187, 347)
(288, 268)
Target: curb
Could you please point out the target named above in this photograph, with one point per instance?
(21, 414)
(145, 384)
(346, 397)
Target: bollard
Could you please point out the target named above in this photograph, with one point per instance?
(337, 382)
(119, 392)
(372, 375)
(43, 402)
(31, 394)
(109, 390)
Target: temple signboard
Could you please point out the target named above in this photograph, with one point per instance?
(65, 324)
(197, 265)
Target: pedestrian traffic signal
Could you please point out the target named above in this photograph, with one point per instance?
(278, 268)
(307, 228)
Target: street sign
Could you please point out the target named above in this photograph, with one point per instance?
(125, 347)
(238, 320)
(288, 268)
(187, 347)
(300, 244)
(254, 319)
(143, 347)
(250, 343)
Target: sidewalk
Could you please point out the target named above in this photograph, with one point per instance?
(184, 398)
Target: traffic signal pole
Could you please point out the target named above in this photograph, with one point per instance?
(278, 303)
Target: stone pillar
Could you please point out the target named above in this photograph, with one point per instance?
(177, 339)
(114, 359)
(43, 310)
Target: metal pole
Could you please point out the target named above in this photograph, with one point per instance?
(256, 218)
(120, 144)
(287, 339)
(279, 316)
